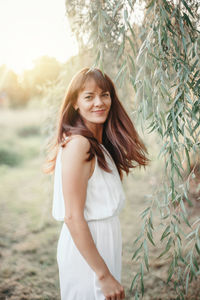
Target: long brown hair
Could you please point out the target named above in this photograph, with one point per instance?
(120, 137)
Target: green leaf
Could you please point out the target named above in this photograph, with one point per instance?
(146, 255)
(184, 44)
(166, 232)
(197, 248)
(195, 263)
(151, 3)
(188, 159)
(132, 45)
(181, 26)
(150, 220)
(141, 278)
(197, 236)
(134, 282)
(190, 235)
(122, 77)
(120, 51)
(132, 63)
(176, 218)
(179, 110)
(197, 84)
(145, 212)
(183, 206)
(136, 295)
(186, 282)
(150, 238)
(187, 7)
(170, 271)
(194, 66)
(117, 8)
(168, 246)
(132, 32)
(178, 171)
(126, 16)
(120, 70)
(185, 219)
(138, 238)
(137, 251)
(163, 149)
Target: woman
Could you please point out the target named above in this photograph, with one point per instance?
(95, 142)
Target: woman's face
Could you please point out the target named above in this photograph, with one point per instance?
(93, 103)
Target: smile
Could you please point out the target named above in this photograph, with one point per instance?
(99, 111)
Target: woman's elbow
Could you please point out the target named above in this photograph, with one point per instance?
(74, 218)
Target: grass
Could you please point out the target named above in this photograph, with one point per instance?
(29, 234)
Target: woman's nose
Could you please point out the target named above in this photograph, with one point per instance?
(98, 100)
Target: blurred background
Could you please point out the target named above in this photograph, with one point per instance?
(38, 57)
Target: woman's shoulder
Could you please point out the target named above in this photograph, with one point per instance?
(76, 145)
(74, 157)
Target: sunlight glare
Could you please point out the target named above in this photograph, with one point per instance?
(31, 29)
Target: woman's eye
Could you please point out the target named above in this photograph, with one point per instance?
(105, 95)
(88, 97)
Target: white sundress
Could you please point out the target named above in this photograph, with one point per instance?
(104, 200)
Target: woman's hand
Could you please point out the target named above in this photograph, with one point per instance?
(111, 288)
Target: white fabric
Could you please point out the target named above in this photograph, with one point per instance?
(104, 200)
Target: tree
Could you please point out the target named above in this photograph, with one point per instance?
(162, 65)
(11, 88)
(46, 70)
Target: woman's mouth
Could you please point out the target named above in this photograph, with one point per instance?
(100, 111)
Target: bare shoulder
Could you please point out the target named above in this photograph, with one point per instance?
(77, 146)
(76, 168)
(80, 139)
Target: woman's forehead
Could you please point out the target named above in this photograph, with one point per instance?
(95, 84)
(91, 86)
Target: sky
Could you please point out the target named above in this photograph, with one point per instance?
(33, 28)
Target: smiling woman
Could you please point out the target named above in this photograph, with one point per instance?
(96, 141)
(93, 104)
(31, 29)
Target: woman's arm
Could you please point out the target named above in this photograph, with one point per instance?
(75, 175)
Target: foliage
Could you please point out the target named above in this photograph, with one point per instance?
(94, 27)
(29, 131)
(161, 61)
(9, 157)
(17, 90)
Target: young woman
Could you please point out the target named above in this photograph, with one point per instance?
(95, 142)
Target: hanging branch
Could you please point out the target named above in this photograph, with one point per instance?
(162, 64)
